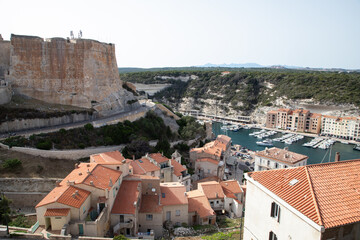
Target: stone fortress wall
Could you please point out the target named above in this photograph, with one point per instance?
(5, 87)
(78, 72)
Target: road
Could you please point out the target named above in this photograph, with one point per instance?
(98, 122)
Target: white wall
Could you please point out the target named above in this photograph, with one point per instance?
(258, 222)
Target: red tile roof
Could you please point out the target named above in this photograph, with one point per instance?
(68, 195)
(231, 188)
(150, 204)
(207, 160)
(56, 212)
(128, 195)
(327, 193)
(101, 176)
(199, 203)
(158, 157)
(108, 157)
(143, 166)
(178, 168)
(173, 194)
(212, 189)
(282, 155)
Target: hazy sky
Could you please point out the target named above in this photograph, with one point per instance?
(308, 33)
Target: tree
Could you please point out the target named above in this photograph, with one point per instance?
(5, 211)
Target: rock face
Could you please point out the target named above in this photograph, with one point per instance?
(78, 72)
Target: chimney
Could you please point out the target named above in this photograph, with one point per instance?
(88, 172)
(337, 157)
(58, 183)
(286, 148)
(76, 192)
(92, 183)
(134, 157)
(110, 183)
(123, 161)
(76, 165)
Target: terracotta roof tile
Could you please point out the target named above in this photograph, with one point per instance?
(79, 174)
(128, 195)
(215, 147)
(231, 188)
(56, 212)
(178, 168)
(282, 155)
(143, 165)
(107, 157)
(158, 157)
(65, 195)
(207, 160)
(101, 176)
(327, 193)
(150, 204)
(212, 189)
(173, 194)
(199, 203)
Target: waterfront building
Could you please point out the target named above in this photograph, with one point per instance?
(275, 158)
(309, 202)
(341, 127)
(300, 120)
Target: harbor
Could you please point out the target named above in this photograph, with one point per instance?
(318, 149)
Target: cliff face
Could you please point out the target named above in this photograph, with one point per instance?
(77, 72)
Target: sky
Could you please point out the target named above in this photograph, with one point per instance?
(177, 33)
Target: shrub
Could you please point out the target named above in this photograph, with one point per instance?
(62, 131)
(12, 164)
(45, 145)
(81, 145)
(88, 127)
(21, 221)
(120, 237)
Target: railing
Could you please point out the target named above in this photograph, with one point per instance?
(34, 227)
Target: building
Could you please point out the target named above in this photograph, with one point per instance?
(275, 158)
(113, 195)
(210, 160)
(300, 120)
(309, 202)
(341, 127)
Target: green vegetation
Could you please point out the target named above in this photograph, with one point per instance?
(223, 236)
(150, 127)
(189, 128)
(120, 237)
(253, 87)
(21, 221)
(12, 164)
(225, 222)
(5, 210)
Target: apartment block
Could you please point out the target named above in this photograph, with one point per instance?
(341, 127)
(300, 120)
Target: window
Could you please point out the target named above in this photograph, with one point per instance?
(208, 170)
(275, 211)
(272, 236)
(149, 217)
(163, 195)
(177, 212)
(152, 173)
(276, 165)
(118, 168)
(58, 217)
(121, 218)
(217, 202)
(114, 193)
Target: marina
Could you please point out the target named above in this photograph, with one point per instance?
(304, 145)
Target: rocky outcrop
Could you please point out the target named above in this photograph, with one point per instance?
(78, 72)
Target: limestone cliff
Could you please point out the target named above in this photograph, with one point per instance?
(78, 72)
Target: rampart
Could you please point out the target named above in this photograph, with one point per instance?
(78, 72)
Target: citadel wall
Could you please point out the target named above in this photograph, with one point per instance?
(5, 87)
(78, 72)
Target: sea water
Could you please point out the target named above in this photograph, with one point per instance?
(316, 155)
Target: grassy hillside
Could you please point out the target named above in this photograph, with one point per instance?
(255, 86)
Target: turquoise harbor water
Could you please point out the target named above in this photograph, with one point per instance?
(315, 155)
